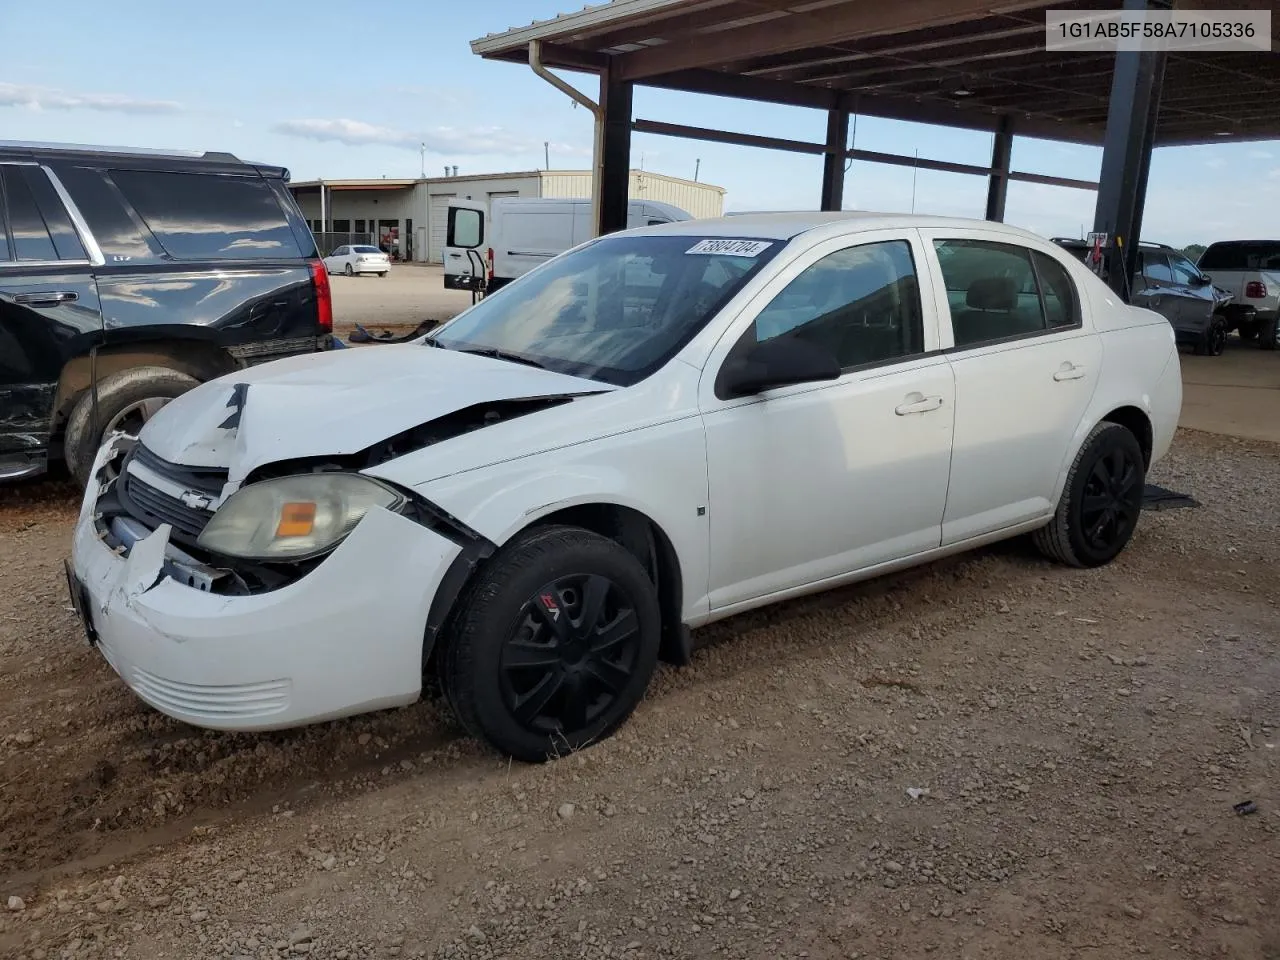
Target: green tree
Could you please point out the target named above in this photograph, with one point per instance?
(1193, 251)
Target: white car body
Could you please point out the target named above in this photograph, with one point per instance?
(761, 498)
(356, 258)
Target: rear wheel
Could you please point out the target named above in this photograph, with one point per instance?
(382, 273)
(126, 401)
(1101, 501)
(348, 270)
(1267, 334)
(554, 646)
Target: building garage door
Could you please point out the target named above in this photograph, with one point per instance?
(438, 215)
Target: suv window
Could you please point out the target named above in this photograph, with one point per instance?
(203, 216)
(862, 304)
(1242, 255)
(1155, 266)
(1183, 270)
(993, 292)
(31, 240)
(30, 191)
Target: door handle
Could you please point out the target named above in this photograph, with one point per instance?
(50, 298)
(1069, 371)
(917, 403)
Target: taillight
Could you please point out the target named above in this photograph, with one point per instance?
(1255, 289)
(324, 296)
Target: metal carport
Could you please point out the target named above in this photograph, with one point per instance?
(975, 64)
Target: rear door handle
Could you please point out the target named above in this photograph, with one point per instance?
(1069, 371)
(48, 298)
(917, 403)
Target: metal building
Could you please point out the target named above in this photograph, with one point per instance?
(409, 216)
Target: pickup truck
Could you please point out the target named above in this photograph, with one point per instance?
(1250, 270)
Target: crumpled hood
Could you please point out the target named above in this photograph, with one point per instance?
(335, 403)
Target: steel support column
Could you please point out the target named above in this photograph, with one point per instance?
(833, 162)
(998, 179)
(1126, 156)
(615, 166)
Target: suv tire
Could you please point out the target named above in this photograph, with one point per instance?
(121, 396)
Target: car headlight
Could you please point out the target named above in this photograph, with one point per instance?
(293, 518)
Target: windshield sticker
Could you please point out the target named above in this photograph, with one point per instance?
(731, 248)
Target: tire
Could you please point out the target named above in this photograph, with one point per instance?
(1248, 331)
(1214, 340)
(517, 653)
(1267, 333)
(348, 271)
(382, 273)
(124, 396)
(1109, 466)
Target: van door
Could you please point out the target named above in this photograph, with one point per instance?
(465, 256)
(530, 234)
(49, 310)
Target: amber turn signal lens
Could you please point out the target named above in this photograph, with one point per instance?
(296, 520)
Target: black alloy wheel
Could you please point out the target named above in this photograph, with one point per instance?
(1101, 501)
(553, 645)
(1112, 499)
(572, 653)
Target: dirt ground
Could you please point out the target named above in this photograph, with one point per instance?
(1080, 739)
(400, 301)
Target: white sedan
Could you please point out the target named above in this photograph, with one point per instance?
(538, 501)
(356, 258)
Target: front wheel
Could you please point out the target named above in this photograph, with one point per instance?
(1101, 501)
(1214, 340)
(348, 270)
(554, 646)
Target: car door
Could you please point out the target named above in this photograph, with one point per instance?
(49, 308)
(337, 261)
(1195, 296)
(1026, 363)
(1154, 286)
(814, 481)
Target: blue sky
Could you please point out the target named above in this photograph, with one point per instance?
(328, 92)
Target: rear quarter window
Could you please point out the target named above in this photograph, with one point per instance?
(197, 216)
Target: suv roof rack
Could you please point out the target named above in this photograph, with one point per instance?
(217, 155)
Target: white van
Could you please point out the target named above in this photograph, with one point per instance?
(513, 235)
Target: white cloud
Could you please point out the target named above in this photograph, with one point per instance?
(48, 98)
(443, 141)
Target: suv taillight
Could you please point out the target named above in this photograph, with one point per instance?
(324, 296)
(1255, 289)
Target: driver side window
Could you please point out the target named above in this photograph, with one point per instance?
(861, 304)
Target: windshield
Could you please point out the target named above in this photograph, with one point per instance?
(615, 310)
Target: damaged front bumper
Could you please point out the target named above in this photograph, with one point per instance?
(346, 638)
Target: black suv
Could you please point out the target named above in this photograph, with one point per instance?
(143, 274)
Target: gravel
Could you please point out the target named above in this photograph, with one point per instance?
(1083, 736)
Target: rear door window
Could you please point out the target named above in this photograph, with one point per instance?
(198, 216)
(31, 239)
(31, 187)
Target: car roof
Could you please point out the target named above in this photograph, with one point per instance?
(788, 225)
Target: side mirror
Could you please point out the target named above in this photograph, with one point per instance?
(779, 362)
(1203, 280)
